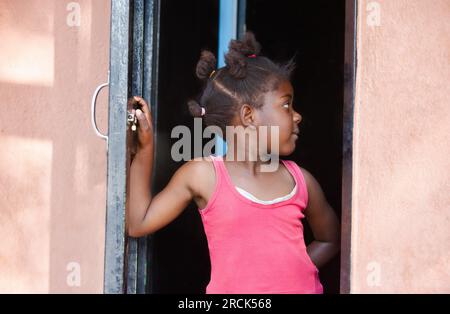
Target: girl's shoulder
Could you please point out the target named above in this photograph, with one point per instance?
(295, 165)
(308, 177)
(305, 174)
(200, 174)
(199, 166)
(313, 187)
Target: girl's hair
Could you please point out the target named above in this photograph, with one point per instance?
(244, 79)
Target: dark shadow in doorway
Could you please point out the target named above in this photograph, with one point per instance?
(312, 30)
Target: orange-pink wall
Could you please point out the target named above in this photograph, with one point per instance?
(401, 182)
(52, 165)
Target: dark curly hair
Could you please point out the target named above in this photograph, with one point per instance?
(244, 79)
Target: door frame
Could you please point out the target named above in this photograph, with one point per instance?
(134, 41)
(114, 267)
(350, 64)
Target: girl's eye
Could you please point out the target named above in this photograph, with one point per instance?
(286, 105)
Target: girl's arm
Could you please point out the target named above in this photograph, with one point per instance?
(148, 214)
(323, 222)
(145, 214)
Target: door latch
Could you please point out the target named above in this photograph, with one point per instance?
(132, 120)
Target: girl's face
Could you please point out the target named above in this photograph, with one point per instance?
(278, 111)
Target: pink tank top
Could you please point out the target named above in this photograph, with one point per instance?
(257, 248)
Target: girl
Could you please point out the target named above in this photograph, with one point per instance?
(252, 218)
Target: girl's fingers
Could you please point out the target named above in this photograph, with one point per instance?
(143, 123)
(145, 108)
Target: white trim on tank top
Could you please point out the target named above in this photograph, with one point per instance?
(269, 202)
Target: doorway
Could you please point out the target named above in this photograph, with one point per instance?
(314, 31)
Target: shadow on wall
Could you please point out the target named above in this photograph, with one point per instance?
(53, 167)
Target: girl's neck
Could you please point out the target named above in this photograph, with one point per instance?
(250, 163)
(244, 151)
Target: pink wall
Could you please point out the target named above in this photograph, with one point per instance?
(401, 183)
(52, 165)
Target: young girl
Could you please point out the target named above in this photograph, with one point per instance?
(252, 218)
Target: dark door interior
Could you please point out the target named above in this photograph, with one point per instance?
(311, 30)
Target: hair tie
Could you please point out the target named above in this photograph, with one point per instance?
(213, 71)
(252, 56)
(203, 111)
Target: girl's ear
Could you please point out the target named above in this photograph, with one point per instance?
(247, 115)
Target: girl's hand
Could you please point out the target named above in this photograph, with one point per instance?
(145, 125)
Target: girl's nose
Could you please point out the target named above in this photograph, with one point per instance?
(297, 117)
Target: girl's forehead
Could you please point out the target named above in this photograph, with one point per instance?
(283, 88)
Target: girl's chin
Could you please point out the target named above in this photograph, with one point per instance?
(287, 149)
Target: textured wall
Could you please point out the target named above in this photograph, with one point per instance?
(401, 183)
(52, 165)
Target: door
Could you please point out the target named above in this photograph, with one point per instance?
(133, 71)
(154, 47)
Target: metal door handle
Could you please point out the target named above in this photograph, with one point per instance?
(93, 104)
